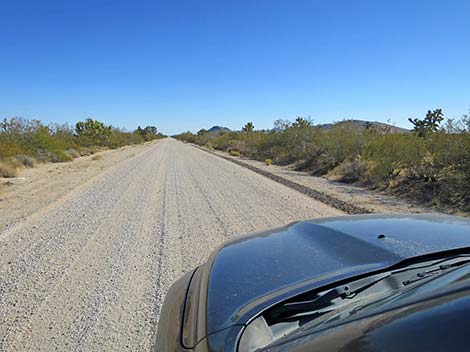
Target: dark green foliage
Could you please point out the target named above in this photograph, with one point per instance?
(92, 132)
(301, 122)
(249, 127)
(148, 133)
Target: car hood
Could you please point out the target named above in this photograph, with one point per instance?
(254, 272)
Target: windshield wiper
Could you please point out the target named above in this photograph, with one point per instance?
(321, 304)
(290, 310)
(427, 273)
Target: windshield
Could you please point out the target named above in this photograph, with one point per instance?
(319, 309)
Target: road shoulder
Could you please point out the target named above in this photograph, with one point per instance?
(40, 187)
(348, 198)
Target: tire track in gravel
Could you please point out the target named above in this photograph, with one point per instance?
(26, 274)
(84, 256)
(91, 273)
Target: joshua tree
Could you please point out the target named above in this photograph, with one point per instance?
(430, 123)
(302, 122)
(248, 128)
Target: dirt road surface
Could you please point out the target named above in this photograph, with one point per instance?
(89, 272)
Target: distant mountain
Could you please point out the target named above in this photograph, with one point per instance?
(216, 129)
(381, 126)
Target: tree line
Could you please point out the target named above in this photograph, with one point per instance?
(24, 142)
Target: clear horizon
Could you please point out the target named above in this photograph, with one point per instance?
(191, 64)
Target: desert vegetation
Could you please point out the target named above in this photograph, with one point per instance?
(430, 163)
(23, 142)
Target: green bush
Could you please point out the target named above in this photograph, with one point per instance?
(119, 138)
(10, 148)
(92, 132)
(148, 133)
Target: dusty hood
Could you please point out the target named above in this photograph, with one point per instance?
(261, 269)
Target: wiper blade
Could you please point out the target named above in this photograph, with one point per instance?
(428, 273)
(289, 310)
(324, 303)
(328, 301)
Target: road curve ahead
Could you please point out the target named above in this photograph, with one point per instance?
(90, 272)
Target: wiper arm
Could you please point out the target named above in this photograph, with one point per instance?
(289, 310)
(316, 307)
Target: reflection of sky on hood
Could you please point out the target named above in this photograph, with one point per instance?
(408, 235)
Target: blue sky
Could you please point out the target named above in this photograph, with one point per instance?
(184, 65)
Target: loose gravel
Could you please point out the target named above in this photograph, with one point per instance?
(90, 273)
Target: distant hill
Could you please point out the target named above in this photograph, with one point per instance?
(215, 129)
(381, 126)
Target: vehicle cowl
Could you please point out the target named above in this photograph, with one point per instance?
(256, 271)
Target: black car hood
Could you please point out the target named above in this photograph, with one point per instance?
(256, 271)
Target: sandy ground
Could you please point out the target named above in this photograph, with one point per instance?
(89, 253)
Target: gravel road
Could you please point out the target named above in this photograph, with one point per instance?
(89, 272)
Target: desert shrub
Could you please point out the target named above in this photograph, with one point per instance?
(7, 169)
(83, 151)
(10, 148)
(386, 155)
(92, 132)
(429, 164)
(25, 160)
(64, 135)
(54, 156)
(268, 162)
(59, 156)
(119, 138)
(448, 170)
(303, 143)
(93, 149)
(328, 149)
(434, 168)
(348, 171)
(187, 137)
(147, 133)
(25, 140)
(234, 152)
(73, 153)
(223, 141)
